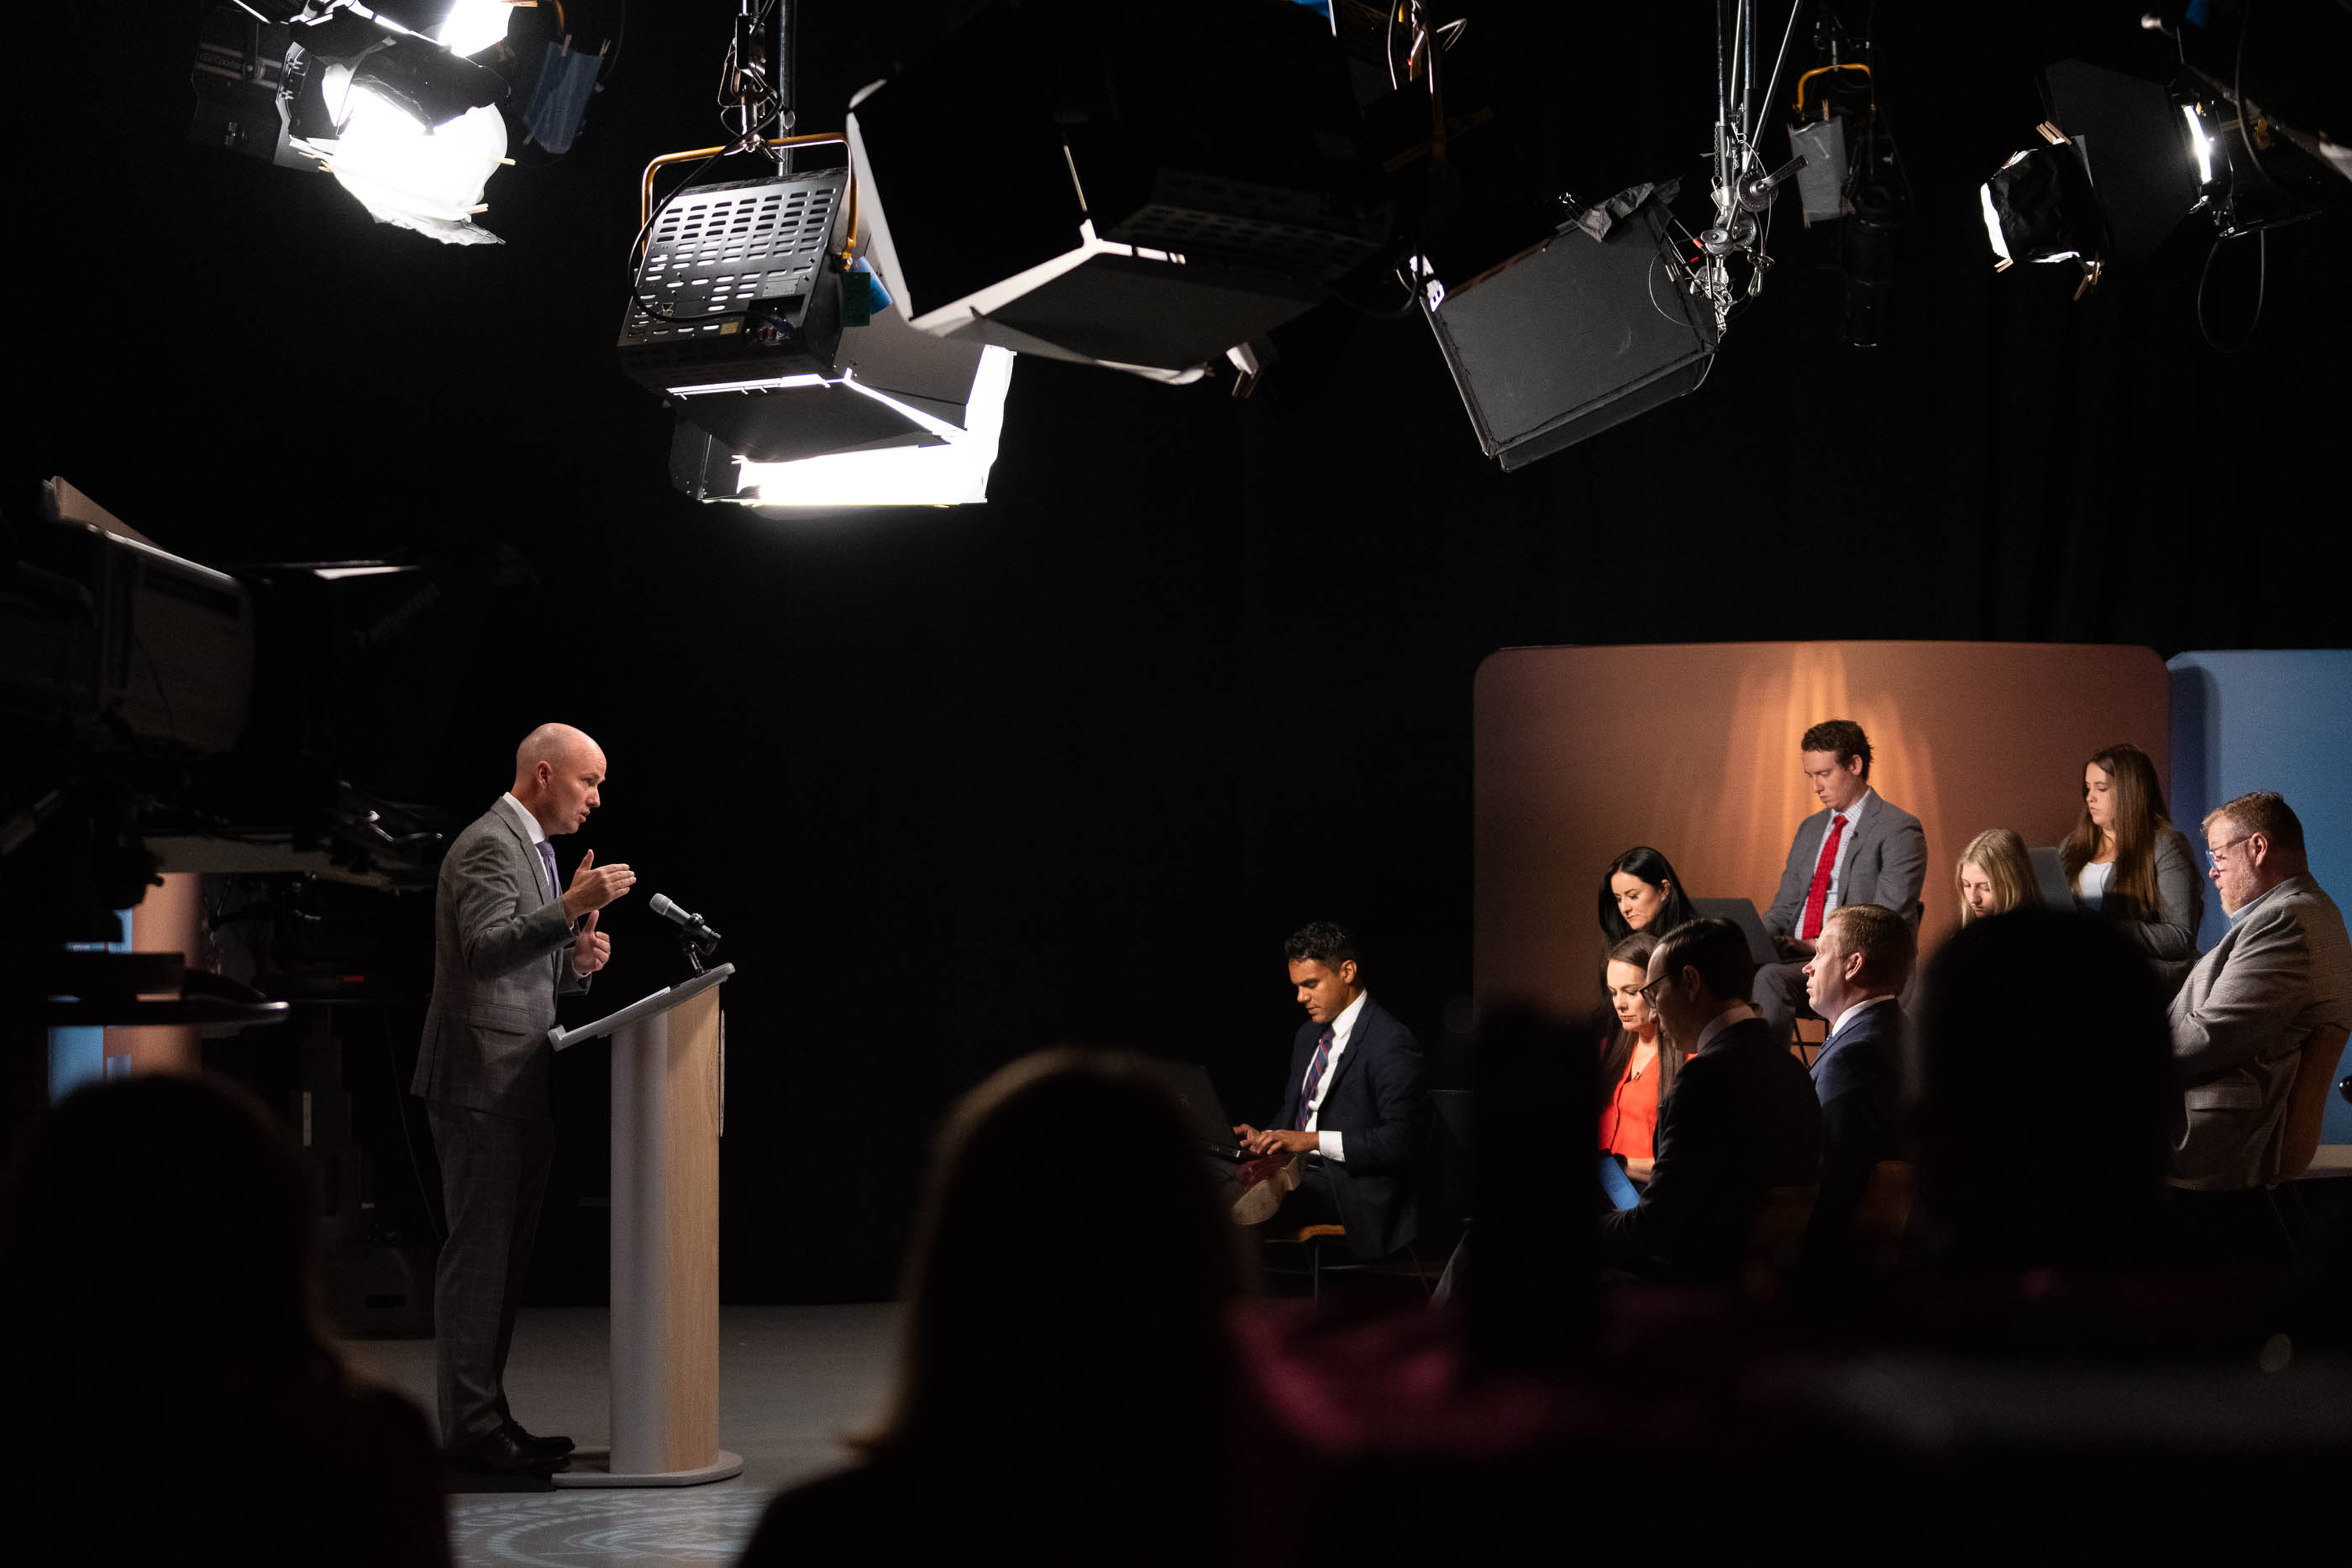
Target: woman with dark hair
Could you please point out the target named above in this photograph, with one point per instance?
(1064, 1380)
(1641, 892)
(2127, 863)
(1637, 1064)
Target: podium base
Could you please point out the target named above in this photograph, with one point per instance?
(589, 1469)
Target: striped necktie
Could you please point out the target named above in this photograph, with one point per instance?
(1315, 1071)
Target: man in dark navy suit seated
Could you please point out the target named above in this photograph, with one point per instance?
(1859, 967)
(1357, 1105)
(1742, 1118)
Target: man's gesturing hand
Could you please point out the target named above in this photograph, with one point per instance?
(592, 949)
(593, 886)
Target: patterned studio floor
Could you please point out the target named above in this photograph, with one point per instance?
(794, 1382)
(575, 1529)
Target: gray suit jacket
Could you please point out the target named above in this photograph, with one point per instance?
(501, 952)
(1887, 865)
(2282, 970)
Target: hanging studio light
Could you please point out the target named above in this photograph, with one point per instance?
(783, 397)
(406, 125)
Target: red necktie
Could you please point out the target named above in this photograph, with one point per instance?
(1821, 869)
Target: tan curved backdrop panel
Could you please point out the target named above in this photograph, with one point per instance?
(1582, 752)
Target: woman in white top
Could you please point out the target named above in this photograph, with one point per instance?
(2127, 862)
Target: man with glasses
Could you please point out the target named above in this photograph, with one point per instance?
(1742, 1118)
(2281, 973)
(1859, 848)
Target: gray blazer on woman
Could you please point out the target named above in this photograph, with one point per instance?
(2167, 933)
(501, 952)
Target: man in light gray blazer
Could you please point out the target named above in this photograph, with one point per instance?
(1857, 850)
(507, 936)
(2281, 970)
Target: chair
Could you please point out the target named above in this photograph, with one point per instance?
(1314, 1238)
(1774, 1237)
(2296, 1140)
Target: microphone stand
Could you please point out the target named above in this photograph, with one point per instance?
(697, 949)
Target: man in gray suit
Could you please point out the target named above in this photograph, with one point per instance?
(1857, 850)
(507, 936)
(2281, 970)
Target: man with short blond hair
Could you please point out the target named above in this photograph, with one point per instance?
(2281, 973)
(1859, 967)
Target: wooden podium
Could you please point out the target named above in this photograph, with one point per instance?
(669, 1085)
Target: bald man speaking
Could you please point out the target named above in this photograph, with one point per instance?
(507, 937)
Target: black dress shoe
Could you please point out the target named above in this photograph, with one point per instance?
(554, 1447)
(499, 1451)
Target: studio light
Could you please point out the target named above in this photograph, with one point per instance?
(403, 122)
(2127, 160)
(1139, 189)
(871, 414)
(950, 470)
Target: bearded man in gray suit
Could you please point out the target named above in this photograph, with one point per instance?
(1859, 848)
(507, 937)
(2282, 973)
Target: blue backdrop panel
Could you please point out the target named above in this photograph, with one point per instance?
(2270, 720)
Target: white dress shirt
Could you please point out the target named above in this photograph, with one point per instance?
(537, 836)
(1328, 1145)
(1853, 815)
(1848, 1016)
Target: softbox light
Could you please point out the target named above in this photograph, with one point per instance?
(1139, 190)
(1571, 337)
(903, 418)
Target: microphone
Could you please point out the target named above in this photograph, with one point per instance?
(669, 910)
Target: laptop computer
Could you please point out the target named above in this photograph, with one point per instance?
(1204, 1113)
(2049, 876)
(1741, 912)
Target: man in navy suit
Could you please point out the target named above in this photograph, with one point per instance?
(1859, 967)
(1742, 1118)
(1859, 848)
(1357, 1105)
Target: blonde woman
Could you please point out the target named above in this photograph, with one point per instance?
(1995, 876)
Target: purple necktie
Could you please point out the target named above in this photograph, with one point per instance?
(547, 859)
(1315, 1070)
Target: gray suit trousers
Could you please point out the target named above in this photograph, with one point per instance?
(493, 1176)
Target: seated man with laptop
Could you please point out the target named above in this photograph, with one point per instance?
(1354, 1115)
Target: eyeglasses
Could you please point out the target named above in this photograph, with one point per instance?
(2218, 856)
(1650, 992)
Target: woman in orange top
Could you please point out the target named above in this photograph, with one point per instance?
(1637, 1067)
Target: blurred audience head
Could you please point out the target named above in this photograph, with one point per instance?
(2044, 1095)
(157, 1240)
(1697, 971)
(1639, 891)
(2252, 843)
(1069, 1250)
(1995, 874)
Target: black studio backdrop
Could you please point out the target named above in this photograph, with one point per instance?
(959, 783)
